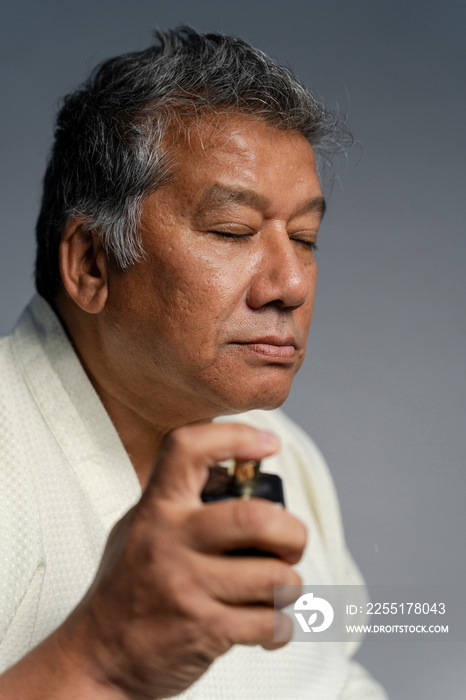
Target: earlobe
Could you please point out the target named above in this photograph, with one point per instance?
(84, 266)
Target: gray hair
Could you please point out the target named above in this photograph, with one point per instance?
(110, 150)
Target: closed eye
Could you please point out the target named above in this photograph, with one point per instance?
(308, 244)
(244, 235)
(230, 234)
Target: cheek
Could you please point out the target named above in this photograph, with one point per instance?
(312, 292)
(312, 285)
(196, 282)
(191, 301)
(305, 312)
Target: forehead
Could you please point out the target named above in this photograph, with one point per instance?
(237, 160)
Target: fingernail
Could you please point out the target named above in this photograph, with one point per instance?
(268, 438)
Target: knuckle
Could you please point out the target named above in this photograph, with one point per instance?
(184, 599)
(249, 517)
(296, 537)
(282, 579)
(282, 574)
(219, 632)
(159, 552)
(178, 441)
(282, 630)
(300, 541)
(276, 572)
(210, 635)
(267, 626)
(244, 431)
(301, 534)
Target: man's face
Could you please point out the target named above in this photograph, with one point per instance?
(215, 319)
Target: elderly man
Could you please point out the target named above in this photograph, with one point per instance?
(175, 277)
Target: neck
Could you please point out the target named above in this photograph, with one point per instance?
(140, 437)
(140, 421)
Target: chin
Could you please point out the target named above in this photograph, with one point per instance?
(265, 399)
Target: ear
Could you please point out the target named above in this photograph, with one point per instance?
(84, 266)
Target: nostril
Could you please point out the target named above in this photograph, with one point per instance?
(279, 288)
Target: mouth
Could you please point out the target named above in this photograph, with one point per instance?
(281, 350)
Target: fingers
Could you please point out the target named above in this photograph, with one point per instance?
(246, 580)
(236, 523)
(253, 625)
(186, 453)
(186, 577)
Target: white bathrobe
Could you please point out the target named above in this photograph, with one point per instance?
(65, 479)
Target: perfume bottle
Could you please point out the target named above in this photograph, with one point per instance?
(243, 479)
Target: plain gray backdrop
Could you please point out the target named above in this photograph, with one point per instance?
(383, 388)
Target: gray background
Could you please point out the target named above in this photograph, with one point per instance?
(383, 391)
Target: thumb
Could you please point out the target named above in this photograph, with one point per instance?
(181, 469)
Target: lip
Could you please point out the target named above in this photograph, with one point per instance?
(271, 347)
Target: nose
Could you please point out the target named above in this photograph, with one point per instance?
(282, 273)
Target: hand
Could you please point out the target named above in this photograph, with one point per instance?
(167, 600)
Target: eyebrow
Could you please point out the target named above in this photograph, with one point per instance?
(317, 204)
(219, 195)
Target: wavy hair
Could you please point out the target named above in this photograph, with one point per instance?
(111, 148)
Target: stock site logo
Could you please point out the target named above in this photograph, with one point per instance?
(313, 606)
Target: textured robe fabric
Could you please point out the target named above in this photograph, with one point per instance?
(65, 479)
